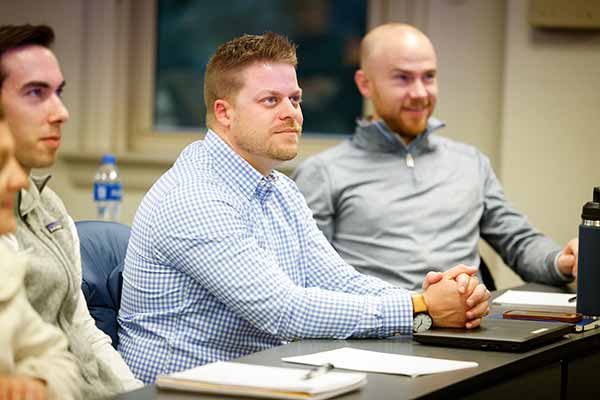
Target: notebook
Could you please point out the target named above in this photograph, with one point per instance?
(230, 378)
(543, 301)
(498, 335)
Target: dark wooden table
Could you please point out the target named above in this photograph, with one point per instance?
(564, 369)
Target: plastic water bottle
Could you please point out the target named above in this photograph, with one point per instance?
(108, 190)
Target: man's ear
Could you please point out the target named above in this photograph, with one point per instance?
(223, 112)
(362, 83)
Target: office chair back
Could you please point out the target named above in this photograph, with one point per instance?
(486, 275)
(103, 248)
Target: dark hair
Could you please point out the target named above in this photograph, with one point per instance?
(15, 36)
(221, 79)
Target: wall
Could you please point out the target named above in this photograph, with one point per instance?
(528, 99)
(469, 40)
(550, 122)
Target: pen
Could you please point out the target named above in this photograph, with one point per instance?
(318, 371)
(572, 299)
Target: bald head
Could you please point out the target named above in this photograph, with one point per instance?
(398, 74)
(393, 38)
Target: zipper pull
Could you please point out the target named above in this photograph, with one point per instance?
(410, 161)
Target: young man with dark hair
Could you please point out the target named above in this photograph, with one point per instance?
(35, 363)
(224, 257)
(30, 93)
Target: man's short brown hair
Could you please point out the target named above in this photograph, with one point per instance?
(15, 36)
(222, 79)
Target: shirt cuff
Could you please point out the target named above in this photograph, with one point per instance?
(397, 314)
(566, 278)
(385, 316)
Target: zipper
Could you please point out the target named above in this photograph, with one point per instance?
(410, 161)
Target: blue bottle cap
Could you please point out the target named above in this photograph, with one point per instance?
(109, 159)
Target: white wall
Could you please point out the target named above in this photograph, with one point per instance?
(470, 44)
(530, 100)
(470, 49)
(550, 138)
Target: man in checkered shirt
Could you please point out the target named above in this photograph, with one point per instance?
(225, 258)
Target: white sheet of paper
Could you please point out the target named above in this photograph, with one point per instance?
(372, 361)
(544, 299)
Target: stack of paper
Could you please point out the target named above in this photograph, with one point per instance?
(372, 361)
(543, 301)
(260, 381)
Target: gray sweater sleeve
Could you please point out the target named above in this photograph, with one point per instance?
(313, 181)
(527, 251)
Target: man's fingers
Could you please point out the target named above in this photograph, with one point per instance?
(454, 272)
(36, 392)
(463, 282)
(15, 387)
(13, 390)
(566, 260)
(480, 294)
(432, 278)
(479, 311)
(573, 246)
(473, 324)
(567, 263)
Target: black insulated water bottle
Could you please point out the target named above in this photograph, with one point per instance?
(588, 269)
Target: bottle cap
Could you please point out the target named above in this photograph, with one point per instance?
(591, 209)
(109, 159)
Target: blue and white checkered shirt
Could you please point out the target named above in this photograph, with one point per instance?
(224, 261)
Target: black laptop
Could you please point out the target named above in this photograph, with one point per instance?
(498, 335)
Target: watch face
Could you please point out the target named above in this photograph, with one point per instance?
(422, 322)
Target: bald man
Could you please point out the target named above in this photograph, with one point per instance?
(397, 200)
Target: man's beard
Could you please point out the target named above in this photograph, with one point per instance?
(401, 123)
(285, 153)
(268, 149)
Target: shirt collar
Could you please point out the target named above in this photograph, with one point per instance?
(377, 136)
(233, 168)
(29, 198)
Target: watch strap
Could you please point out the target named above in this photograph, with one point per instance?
(418, 302)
